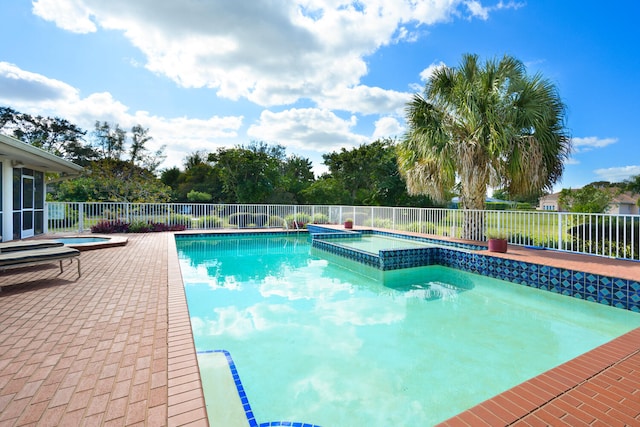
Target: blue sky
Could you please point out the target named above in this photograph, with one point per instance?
(313, 75)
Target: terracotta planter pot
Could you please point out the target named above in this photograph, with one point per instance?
(498, 245)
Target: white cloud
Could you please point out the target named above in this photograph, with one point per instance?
(426, 74)
(477, 10)
(617, 174)
(307, 128)
(571, 161)
(591, 142)
(33, 93)
(272, 53)
(71, 15)
(364, 100)
(388, 127)
(17, 85)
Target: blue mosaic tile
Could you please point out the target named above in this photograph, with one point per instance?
(565, 280)
(619, 304)
(543, 281)
(617, 292)
(591, 279)
(591, 289)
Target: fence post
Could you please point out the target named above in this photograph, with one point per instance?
(560, 231)
(80, 217)
(393, 219)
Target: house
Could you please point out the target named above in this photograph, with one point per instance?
(23, 187)
(621, 204)
(550, 202)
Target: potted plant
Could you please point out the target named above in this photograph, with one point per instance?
(497, 241)
(348, 223)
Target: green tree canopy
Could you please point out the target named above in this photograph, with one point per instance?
(53, 134)
(111, 180)
(591, 198)
(369, 174)
(484, 124)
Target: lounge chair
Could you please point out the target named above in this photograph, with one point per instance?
(18, 258)
(20, 245)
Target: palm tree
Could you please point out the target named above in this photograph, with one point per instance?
(479, 125)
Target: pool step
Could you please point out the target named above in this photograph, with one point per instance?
(225, 407)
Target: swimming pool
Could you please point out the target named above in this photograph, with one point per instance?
(320, 339)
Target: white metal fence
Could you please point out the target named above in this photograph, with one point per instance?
(615, 236)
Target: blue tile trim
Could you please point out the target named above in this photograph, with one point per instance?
(245, 400)
(235, 235)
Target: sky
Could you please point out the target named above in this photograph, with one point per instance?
(314, 76)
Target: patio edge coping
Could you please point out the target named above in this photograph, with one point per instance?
(186, 403)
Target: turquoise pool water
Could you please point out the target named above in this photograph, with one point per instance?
(79, 240)
(373, 243)
(323, 340)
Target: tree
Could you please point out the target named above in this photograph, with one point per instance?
(248, 175)
(632, 184)
(484, 124)
(326, 190)
(110, 141)
(369, 173)
(591, 198)
(52, 134)
(110, 180)
(296, 176)
(199, 175)
(139, 152)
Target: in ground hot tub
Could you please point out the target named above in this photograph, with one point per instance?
(86, 243)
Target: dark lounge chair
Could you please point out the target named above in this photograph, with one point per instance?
(29, 256)
(20, 245)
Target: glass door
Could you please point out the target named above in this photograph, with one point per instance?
(28, 204)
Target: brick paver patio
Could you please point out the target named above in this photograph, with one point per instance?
(114, 347)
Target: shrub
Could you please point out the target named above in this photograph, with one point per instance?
(180, 219)
(110, 227)
(241, 219)
(260, 220)
(139, 227)
(383, 223)
(275, 221)
(299, 219)
(212, 221)
(320, 219)
(199, 196)
(106, 227)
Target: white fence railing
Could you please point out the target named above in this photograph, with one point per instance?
(614, 236)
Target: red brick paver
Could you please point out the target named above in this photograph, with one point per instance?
(114, 348)
(91, 350)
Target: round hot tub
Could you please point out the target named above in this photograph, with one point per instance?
(85, 243)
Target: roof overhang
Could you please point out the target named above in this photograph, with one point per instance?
(28, 156)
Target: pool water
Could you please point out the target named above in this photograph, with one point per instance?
(79, 240)
(373, 243)
(320, 339)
